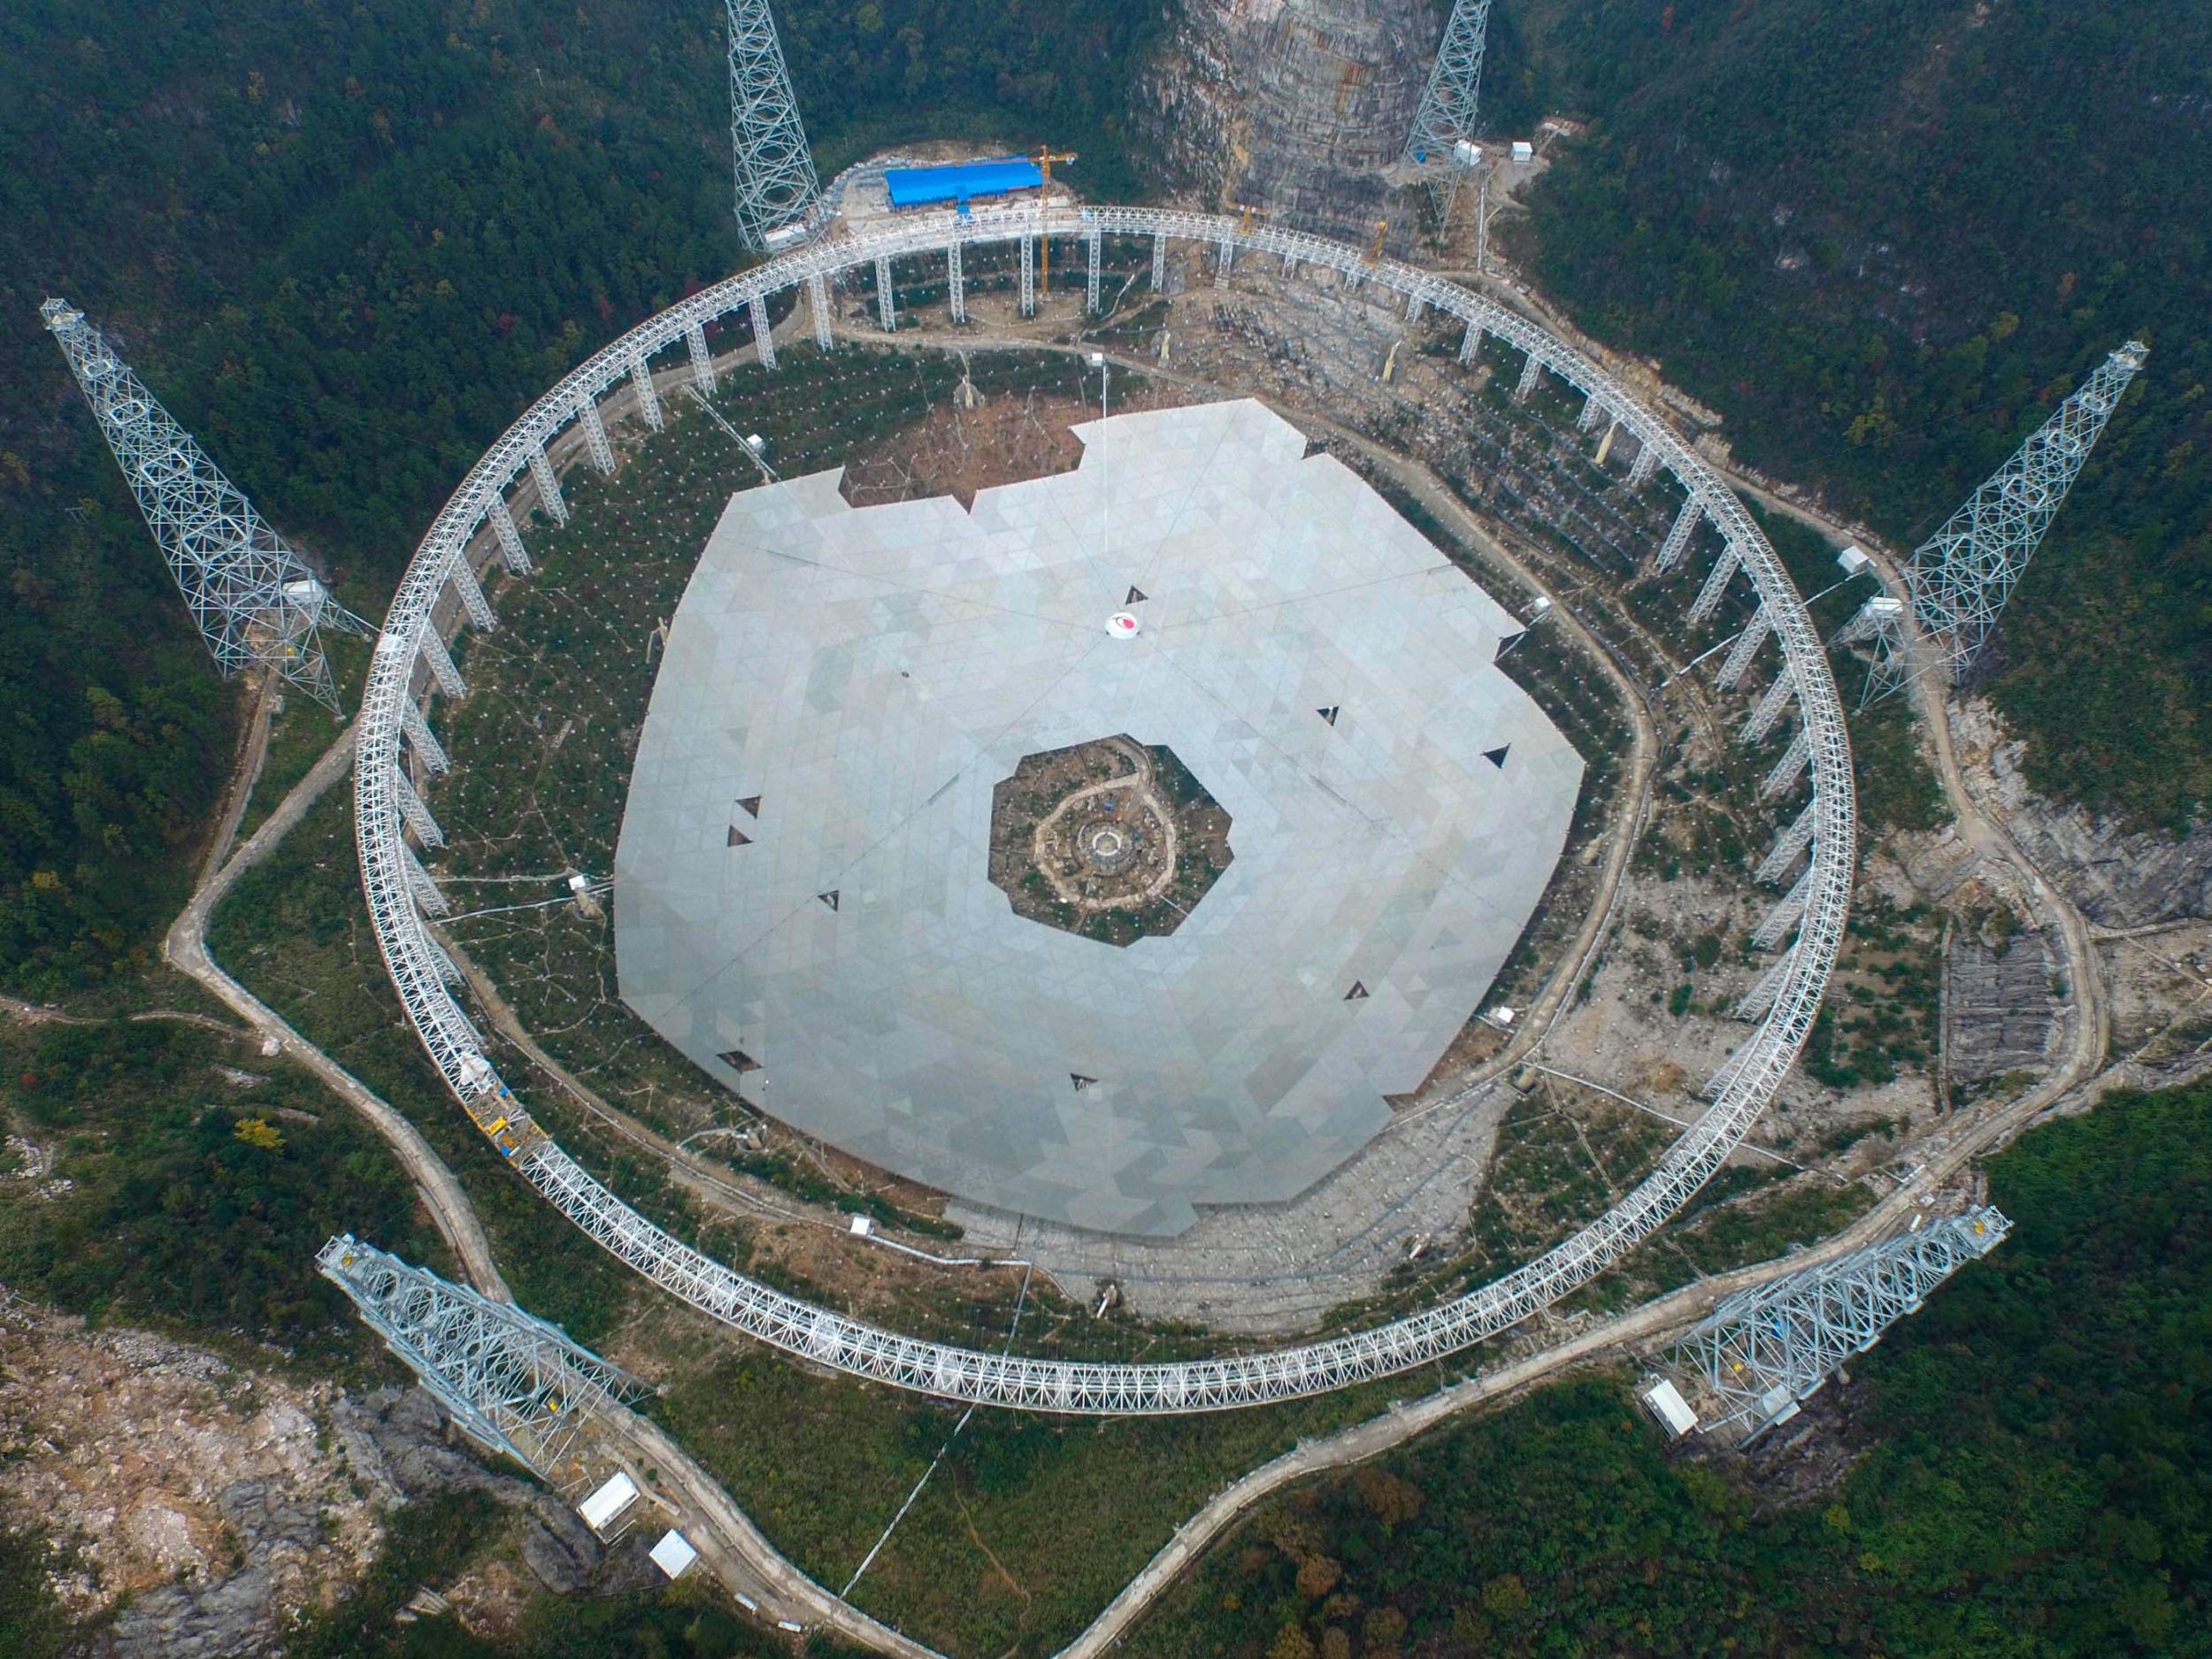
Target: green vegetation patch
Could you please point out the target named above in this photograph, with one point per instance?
(189, 1182)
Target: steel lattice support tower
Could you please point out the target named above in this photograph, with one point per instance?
(1961, 576)
(1878, 624)
(253, 598)
(1761, 1352)
(511, 1381)
(1446, 112)
(775, 169)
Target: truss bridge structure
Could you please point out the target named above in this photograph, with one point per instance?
(412, 661)
(512, 1383)
(1764, 1352)
(252, 598)
(1961, 576)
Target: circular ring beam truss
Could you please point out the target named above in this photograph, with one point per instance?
(409, 649)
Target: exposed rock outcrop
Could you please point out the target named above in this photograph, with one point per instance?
(2117, 877)
(1295, 106)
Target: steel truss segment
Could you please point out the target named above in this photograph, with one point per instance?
(886, 299)
(775, 178)
(817, 307)
(955, 281)
(420, 738)
(1760, 997)
(1789, 768)
(474, 605)
(1532, 371)
(1679, 533)
(1094, 255)
(1446, 111)
(510, 1380)
(1763, 1351)
(414, 814)
(648, 401)
(549, 481)
(250, 595)
(1643, 469)
(1716, 589)
(1783, 917)
(511, 552)
(1470, 342)
(1747, 647)
(702, 359)
(764, 333)
(595, 432)
(1768, 711)
(1961, 577)
(1159, 263)
(1016, 1381)
(1790, 845)
(1029, 275)
(441, 661)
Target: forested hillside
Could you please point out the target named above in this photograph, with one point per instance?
(1885, 239)
(2029, 1473)
(345, 245)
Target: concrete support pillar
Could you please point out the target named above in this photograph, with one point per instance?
(1709, 597)
(413, 813)
(1290, 263)
(462, 574)
(1159, 263)
(1790, 767)
(420, 738)
(1029, 275)
(595, 434)
(428, 899)
(1532, 371)
(1677, 542)
(1413, 306)
(1789, 846)
(1784, 916)
(1224, 255)
(649, 403)
(510, 548)
(1644, 466)
(1471, 342)
(549, 481)
(701, 360)
(818, 306)
(1768, 709)
(1745, 647)
(887, 301)
(955, 281)
(764, 332)
(441, 668)
(1094, 251)
(1766, 988)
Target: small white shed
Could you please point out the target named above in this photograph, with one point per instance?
(1664, 1402)
(674, 1554)
(610, 1503)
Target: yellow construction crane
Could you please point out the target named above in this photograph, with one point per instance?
(1247, 213)
(1044, 159)
(1374, 249)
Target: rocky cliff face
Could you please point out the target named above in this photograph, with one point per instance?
(2116, 877)
(1294, 107)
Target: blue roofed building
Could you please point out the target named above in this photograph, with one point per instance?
(963, 183)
